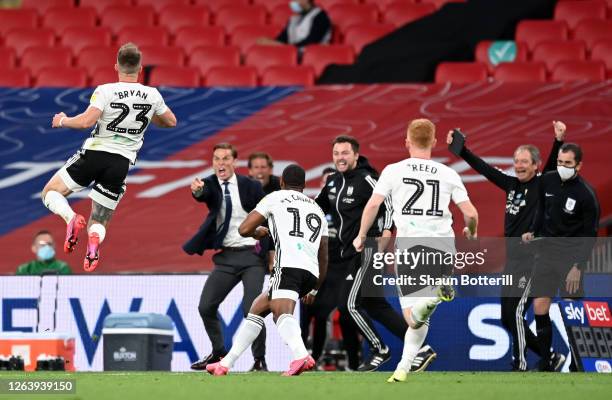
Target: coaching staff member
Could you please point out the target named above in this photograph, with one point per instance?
(568, 208)
(260, 166)
(521, 205)
(229, 197)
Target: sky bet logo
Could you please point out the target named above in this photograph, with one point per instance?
(596, 312)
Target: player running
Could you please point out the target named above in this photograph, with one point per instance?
(421, 190)
(121, 112)
(299, 229)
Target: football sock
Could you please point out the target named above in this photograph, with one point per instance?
(289, 330)
(544, 335)
(99, 229)
(58, 204)
(246, 335)
(423, 309)
(413, 340)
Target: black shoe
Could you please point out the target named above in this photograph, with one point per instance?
(376, 360)
(424, 357)
(200, 365)
(259, 365)
(556, 361)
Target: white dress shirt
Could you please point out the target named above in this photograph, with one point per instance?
(233, 238)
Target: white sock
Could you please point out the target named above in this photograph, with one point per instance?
(413, 340)
(289, 330)
(99, 229)
(246, 335)
(58, 204)
(423, 309)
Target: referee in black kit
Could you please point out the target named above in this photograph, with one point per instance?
(567, 219)
(521, 205)
(229, 197)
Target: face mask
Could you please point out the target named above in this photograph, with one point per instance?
(45, 253)
(295, 7)
(565, 172)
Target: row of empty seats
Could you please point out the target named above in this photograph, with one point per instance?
(519, 72)
(243, 76)
(203, 58)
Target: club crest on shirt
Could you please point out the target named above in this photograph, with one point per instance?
(332, 190)
(569, 205)
(349, 191)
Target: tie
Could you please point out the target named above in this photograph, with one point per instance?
(222, 230)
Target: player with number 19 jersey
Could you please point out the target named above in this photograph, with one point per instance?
(127, 109)
(421, 191)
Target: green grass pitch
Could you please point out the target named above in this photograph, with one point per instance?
(321, 385)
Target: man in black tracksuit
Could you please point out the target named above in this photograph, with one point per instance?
(521, 205)
(568, 217)
(344, 195)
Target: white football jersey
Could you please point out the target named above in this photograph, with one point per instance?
(127, 109)
(421, 191)
(296, 224)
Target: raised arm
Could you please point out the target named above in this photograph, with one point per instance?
(84, 120)
(551, 162)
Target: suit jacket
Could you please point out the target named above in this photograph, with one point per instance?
(250, 193)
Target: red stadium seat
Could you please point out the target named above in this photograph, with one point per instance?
(602, 51)
(400, 13)
(143, 36)
(572, 12)
(92, 58)
(440, 3)
(320, 56)
(16, 19)
(533, 32)
(176, 17)
(569, 71)
(232, 17)
(162, 55)
(8, 58)
(327, 4)
(461, 72)
(206, 57)
(191, 37)
(103, 75)
(280, 15)
(593, 30)
(216, 5)
(245, 36)
(345, 15)
(37, 58)
(262, 57)
(272, 5)
(14, 77)
(79, 38)
(175, 76)
(62, 77)
(245, 76)
(43, 6)
(300, 75)
(159, 5)
(553, 52)
(482, 53)
(360, 35)
(117, 18)
(21, 39)
(101, 5)
(60, 19)
(516, 72)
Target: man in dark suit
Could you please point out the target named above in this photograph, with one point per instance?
(229, 198)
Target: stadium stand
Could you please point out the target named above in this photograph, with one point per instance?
(92, 58)
(162, 55)
(461, 72)
(569, 71)
(39, 57)
(593, 30)
(79, 38)
(101, 5)
(520, 72)
(243, 76)
(159, 5)
(75, 77)
(300, 75)
(399, 13)
(573, 12)
(262, 57)
(14, 77)
(553, 52)
(17, 18)
(42, 7)
(231, 17)
(174, 17)
(360, 35)
(216, 5)
(206, 57)
(175, 76)
(482, 53)
(602, 51)
(533, 32)
(119, 17)
(246, 36)
(7, 58)
(345, 15)
(61, 18)
(320, 56)
(21, 39)
(190, 37)
(144, 36)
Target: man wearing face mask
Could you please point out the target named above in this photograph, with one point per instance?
(309, 25)
(568, 208)
(521, 204)
(43, 246)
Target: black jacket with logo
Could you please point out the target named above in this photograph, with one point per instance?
(344, 197)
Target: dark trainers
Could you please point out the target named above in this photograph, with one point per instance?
(259, 365)
(556, 361)
(424, 357)
(376, 360)
(200, 365)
